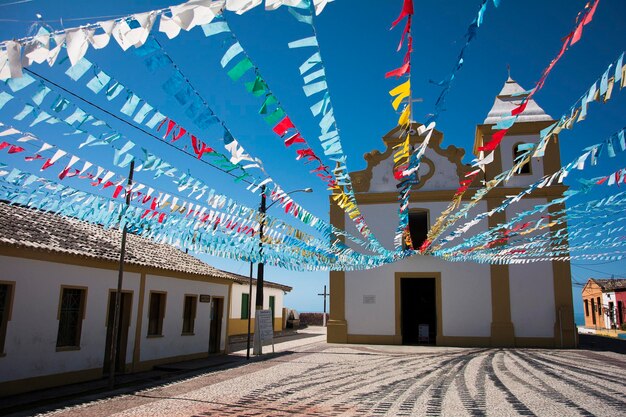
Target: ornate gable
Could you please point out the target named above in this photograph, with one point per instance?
(441, 169)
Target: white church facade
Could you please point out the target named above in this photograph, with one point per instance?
(424, 299)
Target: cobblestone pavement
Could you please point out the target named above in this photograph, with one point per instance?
(319, 380)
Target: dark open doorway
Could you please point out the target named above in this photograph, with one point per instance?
(122, 332)
(418, 316)
(215, 330)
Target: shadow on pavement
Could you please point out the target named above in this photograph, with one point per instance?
(47, 400)
(601, 343)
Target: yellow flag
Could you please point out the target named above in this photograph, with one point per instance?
(400, 93)
(404, 117)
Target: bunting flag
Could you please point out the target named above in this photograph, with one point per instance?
(337, 179)
(160, 167)
(402, 151)
(211, 233)
(313, 72)
(128, 31)
(547, 239)
(197, 217)
(612, 146)
(537, 150)
(173, 131)
(236, 215)
(442, 222)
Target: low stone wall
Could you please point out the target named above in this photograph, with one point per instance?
(312, 319)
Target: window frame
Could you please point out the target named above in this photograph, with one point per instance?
(245, 306)
(192, 312)
(4, 323)
(586, 307)
(82, 313)
(413, 211)
(529, 163)
(270, 306)
(161, 317)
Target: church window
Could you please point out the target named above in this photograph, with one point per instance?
(524, 169)
(418, 227)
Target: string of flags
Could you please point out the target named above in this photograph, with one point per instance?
(198, 218)
(239, 223)
(520, 225)
(407, 161)
(214, 210)
(522, 244)
(313, 72)
(128, 31)
(81, 122)
(575, 114)
(443, 222)
(337, 179)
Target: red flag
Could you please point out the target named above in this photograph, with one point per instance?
(577, 33)
(181, 132)
(281, 128)
(589, 16)
(519, 108)
(407, 10)
(117, 191)
(306, 153)
(199, 147)
(407, 29)
(496, 138)
(170, 126)
(16, 149)
(297, 138)
(399, 71)
(4, 145)
(47, 164)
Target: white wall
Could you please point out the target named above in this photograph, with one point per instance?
(466, 287)
(32, 332)
(532, 288)
(30, 345)
(536, 164)
(609, 297)
(172, 343)
(239, 289)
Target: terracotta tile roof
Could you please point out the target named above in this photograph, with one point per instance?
(49, 232)
(611, 284)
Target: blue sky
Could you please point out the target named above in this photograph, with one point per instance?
(358, 48)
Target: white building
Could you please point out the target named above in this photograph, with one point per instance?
(241, 301)
(58, 279)
(424, 299)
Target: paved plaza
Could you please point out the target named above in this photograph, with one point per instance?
(308, 377)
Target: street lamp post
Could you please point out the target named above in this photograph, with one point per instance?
(261, 267)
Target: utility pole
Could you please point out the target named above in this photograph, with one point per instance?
(325, 294)
(261, 267)
(120, 279)
(258, 347)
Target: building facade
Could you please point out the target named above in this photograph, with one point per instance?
(242, 305)
(58, 281)
(424, 299)
(604, 303)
